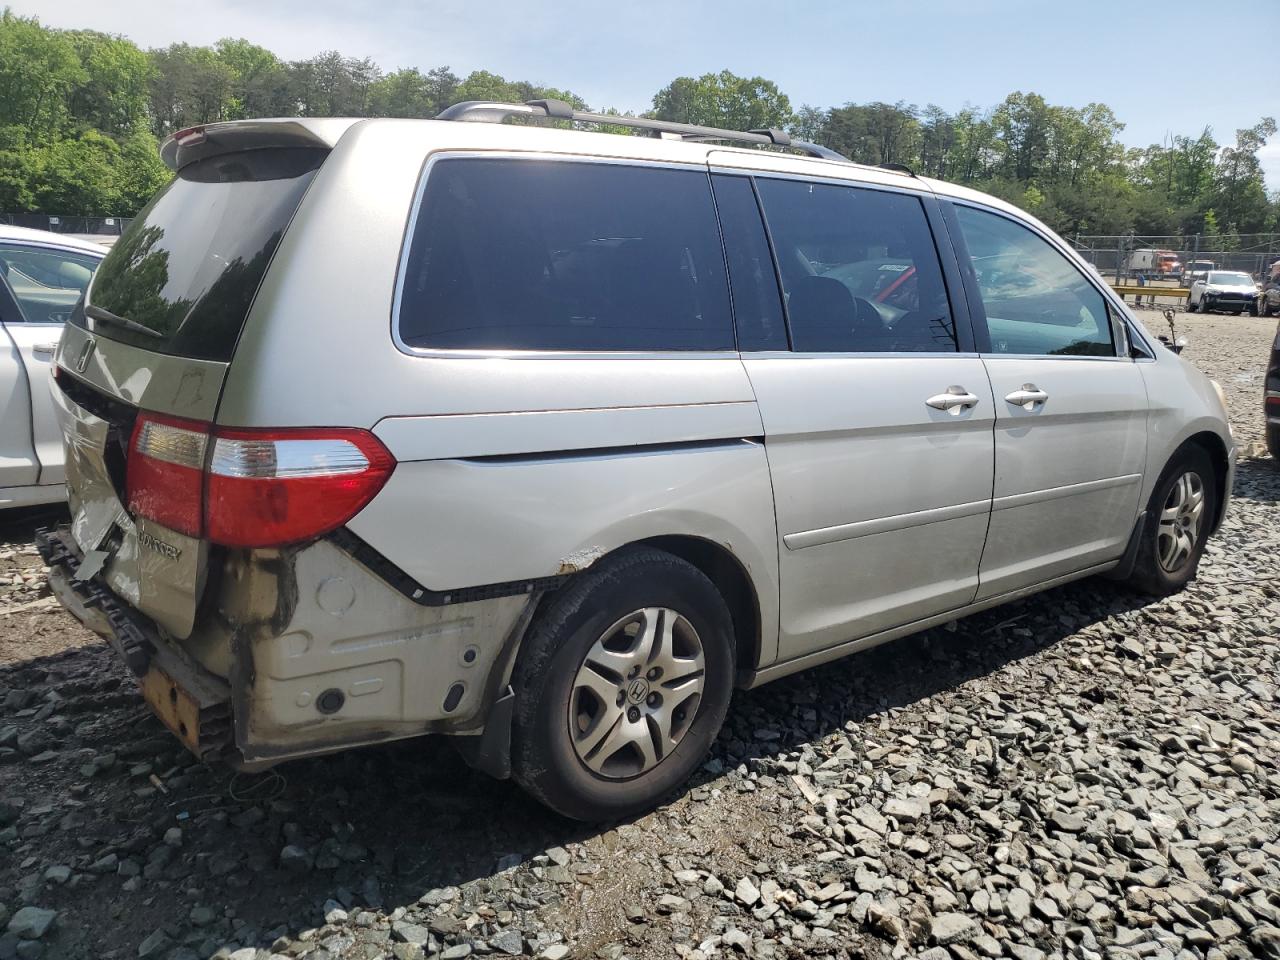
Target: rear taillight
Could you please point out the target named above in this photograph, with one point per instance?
(272, 487)
(252, 487)
(164, 475)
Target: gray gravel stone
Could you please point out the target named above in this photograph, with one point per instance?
(948, 928)
(31, 923)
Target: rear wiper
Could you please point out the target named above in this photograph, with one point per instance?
(106, 316)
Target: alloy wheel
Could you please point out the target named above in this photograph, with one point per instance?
(636, 693)
(1180, 518)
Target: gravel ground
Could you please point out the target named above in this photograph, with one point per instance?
(1084, 773)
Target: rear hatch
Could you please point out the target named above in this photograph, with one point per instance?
(142, 363)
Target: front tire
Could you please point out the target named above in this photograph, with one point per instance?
(1191, 307)
(622, 686)
(1179, 517)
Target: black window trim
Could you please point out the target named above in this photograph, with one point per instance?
(982, 338)
(956, 292)
(773, 260)
(411, 222)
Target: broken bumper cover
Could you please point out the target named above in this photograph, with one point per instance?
(194, 704)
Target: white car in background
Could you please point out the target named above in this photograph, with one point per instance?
(1231, 291)
(42, 276)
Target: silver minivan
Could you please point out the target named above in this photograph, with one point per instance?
(547, 439)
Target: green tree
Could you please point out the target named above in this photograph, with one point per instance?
(875, 133)
(77, 176)
(723, 100)
(112, 96)
(190, 85)
(331, 85)
(39, 70)
(261, 81)
(1022, 128)
(1240, 193)
(809, 123)
(411, 93)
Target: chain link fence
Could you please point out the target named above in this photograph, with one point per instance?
(85, 226)
(1119, 257)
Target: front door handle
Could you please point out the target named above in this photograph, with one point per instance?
(953, 401)
(1028, 397)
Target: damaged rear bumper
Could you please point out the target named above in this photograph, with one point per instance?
(193, 703)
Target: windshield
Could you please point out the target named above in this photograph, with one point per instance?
(182, 278)
(1230, 279)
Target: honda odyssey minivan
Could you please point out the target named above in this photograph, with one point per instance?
(547, 439)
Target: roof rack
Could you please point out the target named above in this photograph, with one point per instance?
(898, 168)
(485, 111)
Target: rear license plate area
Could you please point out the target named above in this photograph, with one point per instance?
(177, 709)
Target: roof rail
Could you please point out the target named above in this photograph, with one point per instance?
(486, 111)
(898, 168)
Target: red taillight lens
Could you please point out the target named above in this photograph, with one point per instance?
(1273, 406)
(164, 478)
(252, 488)
(272, 487)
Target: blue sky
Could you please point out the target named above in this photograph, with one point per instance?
(1145, 67)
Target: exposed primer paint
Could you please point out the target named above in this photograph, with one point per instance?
(580, 559)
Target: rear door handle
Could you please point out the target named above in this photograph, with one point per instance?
(1028, 397)
(45, 349)
(953, 401)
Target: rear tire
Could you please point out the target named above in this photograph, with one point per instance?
(1191, 307)
(1179, 517)
(606, 725)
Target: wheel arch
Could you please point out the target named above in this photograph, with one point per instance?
(731, 578)
(1216, 449)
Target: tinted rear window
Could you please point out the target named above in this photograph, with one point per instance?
(189, 265)
(555, 255)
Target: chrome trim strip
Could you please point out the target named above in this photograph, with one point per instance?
(913, 188)
(1068, 490)
(1054, 356)
(866, 528)
(818, 355)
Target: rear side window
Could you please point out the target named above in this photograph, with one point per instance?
(188, 267)
(46, 282)
(1036, 301)
(859, 269)
(552, 255)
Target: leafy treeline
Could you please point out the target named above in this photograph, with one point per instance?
(81, 112)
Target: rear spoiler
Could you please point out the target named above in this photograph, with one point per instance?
(212, 139)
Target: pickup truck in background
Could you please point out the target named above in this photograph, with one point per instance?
(1197, 270)
(42, 276)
